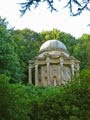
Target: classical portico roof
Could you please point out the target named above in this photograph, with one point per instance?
(52, 45)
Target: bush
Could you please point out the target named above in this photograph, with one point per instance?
(27, 102)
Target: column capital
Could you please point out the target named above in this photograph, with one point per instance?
(30, 67)
(72, 62)
(72, 65)
(61, 59)
(36, 65)
(31, 62)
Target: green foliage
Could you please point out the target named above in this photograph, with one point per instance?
(12, 102)
(4, 85)
(27, 44)
(68, 102)
(85, 76)
(82, 50)
(9, 62)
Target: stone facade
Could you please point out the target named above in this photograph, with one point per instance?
(53, 65)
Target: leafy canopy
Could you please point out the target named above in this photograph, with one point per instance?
(68, 102)
(9, 61)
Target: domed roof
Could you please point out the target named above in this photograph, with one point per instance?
(52, 45)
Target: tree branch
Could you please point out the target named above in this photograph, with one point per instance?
(70, 4)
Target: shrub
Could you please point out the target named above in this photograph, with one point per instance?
(28, 102)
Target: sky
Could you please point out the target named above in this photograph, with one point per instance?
(41, 19)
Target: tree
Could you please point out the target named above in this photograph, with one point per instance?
(27, 46)
(80, 5)
(82, 51)
(68, 102)
(9, 61)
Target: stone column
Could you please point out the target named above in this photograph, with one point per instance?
(72, 69)
(77, 69)
(48, 70)
(48, 73)
(55, 82)
(59, 75)
(36, 74)
(30, 74)
(61, 70)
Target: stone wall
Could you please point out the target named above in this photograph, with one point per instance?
(56, 76)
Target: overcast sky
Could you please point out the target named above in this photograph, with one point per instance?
(42, 19)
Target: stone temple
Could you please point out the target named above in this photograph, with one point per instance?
(53, 65)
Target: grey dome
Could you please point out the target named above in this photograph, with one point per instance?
(52, 45)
